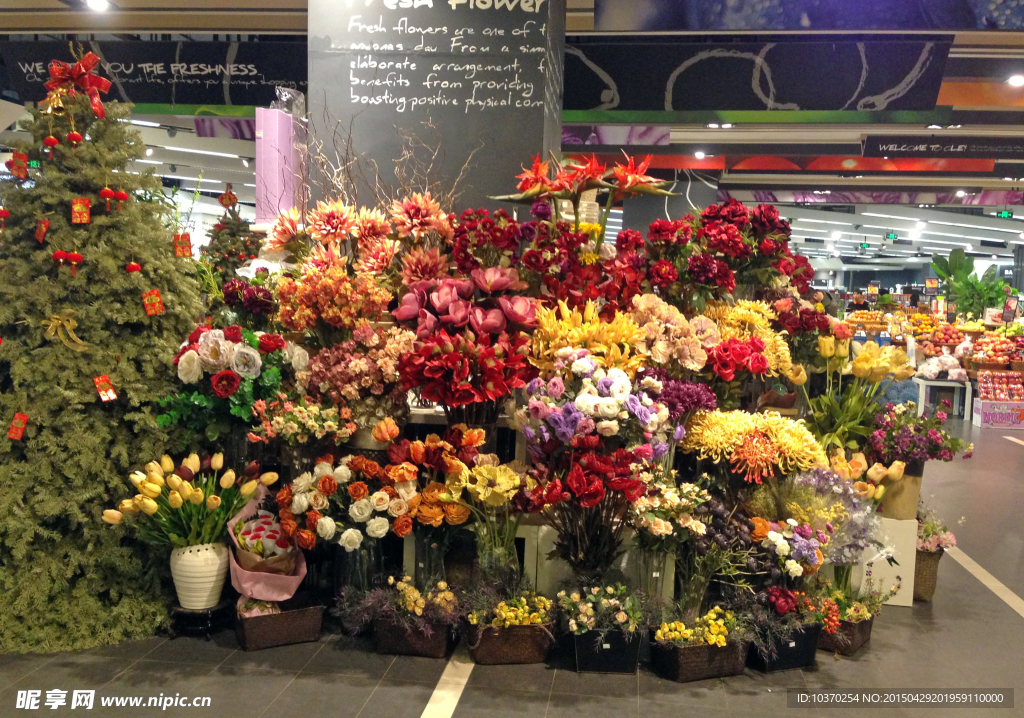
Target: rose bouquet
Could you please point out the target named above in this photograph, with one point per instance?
(249, 303)
(188, 505)
(227, 372)
(803, 326)
(361, 374)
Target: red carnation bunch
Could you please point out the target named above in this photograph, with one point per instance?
(663, 273)
(725, 239)
(629, 240)
(782, 599)
(731, 212)
(734, 355)
(705, 269)
(678, 231)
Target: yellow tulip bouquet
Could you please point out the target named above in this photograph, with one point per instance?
(188, 505)
(843, 416)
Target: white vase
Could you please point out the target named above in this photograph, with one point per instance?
(199, 573)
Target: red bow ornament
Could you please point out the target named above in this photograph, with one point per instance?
(81, 76)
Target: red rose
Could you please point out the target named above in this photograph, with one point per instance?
(197, 332)
(225, 383)
(758, 363)
(782, 600)
(270, 343)
(629, 240)
(663, 273)
(732, 212)
(726, 369)
(765, 220)
(768, 247)
(738, 352)
(534, 260)
(233, 333)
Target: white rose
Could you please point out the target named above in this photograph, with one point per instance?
(361, 511)
(300, 359)
(380, 501)
(794, 569)
(607, 428)
(317, 500)
(617, 375)
(190, 370)
(782, 548)
(322, 469)
(342, 474)
(214, 354)
(398, 507)
(378, 527)
(246, 361)
(326, 527)
(586, 404)
(300, 503)
(351, 539)
(620, 390)
(599, 374)
(582, 366)
(406, 489)
(302, 484)
(608, 408)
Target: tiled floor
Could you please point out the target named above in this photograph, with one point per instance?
(966, 639)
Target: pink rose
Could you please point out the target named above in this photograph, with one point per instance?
(841, 329)
(520, 310)
(428, 322)
(442, 297)
(539, 410)
(458, 313)
(784, 305)
(409, 308)
(483, 320)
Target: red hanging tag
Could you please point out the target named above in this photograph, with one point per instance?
(183, 245)
(80, 213)
(153, 303)
(42, 227)
(105, 388)
(17, 429)
(19, 165)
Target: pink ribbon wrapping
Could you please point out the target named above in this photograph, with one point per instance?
(255, 584)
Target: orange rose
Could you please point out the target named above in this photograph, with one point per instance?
(390, 491)
(285, 515)
(289, 527)
(417, 451)
(284, 497)
(430, 514)
(357, 491)
(355, 464)
(306, 539)
(312, 517)
(433, 492)
(373, 470)
(761, 529)
(433, 440)
(402, 526)
(455, 514)
(327, 485)
(385, 431)
(325, 459)
(402, 472)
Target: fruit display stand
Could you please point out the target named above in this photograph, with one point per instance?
(923, 385)
(1000, 402)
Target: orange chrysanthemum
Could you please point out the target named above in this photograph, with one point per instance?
(376, 255)
(419, 215)
(331, 222)
(371, 225)
(286, 226)
(756, 457)
(423, 265)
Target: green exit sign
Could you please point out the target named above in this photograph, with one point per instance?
(34, 163)
(1004, 214)
(891, 235)
(864, 245)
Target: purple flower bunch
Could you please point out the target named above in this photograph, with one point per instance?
(682, 398)
(901, 435)
(854, 520)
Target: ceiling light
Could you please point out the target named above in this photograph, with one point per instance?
(97, 5)
(1008, 179)
(145, 123)
(1016, 80)
(201, 152)
(995, 256)
(713, 126)
(837, 234)
(150, 162)
(953, 127)
(245, 162)
(149, 152)
(727, 126)
(921, 225)
(960, 193)
(699, 155)
(835, 253)
(934, 127)
(914, 234)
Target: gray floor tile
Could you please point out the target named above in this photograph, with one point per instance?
(499, 702)
(325, 694)
(574, 706)
(417, 669)
(191, 649)
(531, 677)
(283, 658)
(609, 685)
(706, 694)
(243, 692)
(397, 699)
(132, 650)
(147, 679)
(15, 666)
(350, 656)
(651, 709)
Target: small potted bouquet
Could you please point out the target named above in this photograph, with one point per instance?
(605, 626)
(901, 435)
(510, 630)
(712, 646)
(407, 621)
(933, 538)
(187, 508)
(787, 625)
(856, 616)
(249, 303)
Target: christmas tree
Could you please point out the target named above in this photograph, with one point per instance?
(232, 241)
(93, 306)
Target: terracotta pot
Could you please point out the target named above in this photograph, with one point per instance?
(199, 573)
(901, 497)
(926, 574)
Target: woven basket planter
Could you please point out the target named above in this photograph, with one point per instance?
(697, 663)
(926, 573)
(299, 621)
(491, 646)
(394, 639)
(848, 639)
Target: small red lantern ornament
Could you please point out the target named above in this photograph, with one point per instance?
(107, 194)
(74, 138)
(50, 143)
(4, 214)
(75, 259)
(133, 267)
(121, 196)
(59, 256)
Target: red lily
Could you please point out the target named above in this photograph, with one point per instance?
(632, 175)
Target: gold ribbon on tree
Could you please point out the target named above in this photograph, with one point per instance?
(62, 326)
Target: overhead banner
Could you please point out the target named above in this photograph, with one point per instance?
(169, 73)
(904, 146)
(646, 74)
(806, 15)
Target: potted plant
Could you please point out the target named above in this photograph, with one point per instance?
(856, 616)
(786, 628)
(604, 623)
(933, 538)
(712, 646)
(511, 630)
(900, 435)
(187, 508)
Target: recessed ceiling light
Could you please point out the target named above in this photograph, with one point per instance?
(961, 193)
(149, 152)
(921, 224)
(245, 162)
(995, 256)
(699, 155)
(97, 5)
(934, 127)
(726, 125)
(145, 123)
(1016, 80)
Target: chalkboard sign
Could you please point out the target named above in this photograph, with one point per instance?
(486, 75)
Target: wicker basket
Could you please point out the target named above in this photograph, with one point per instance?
(398, 640)
(1017, 366)
(848, 639)
(926, 573)
(987, 365)
(299, 621)
(491, 646)
(697, 663)
(974, 335)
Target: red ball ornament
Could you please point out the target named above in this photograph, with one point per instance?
(121, 196)
(75, 259)
(59, 256)
(74, 138)
(133, 267)
(107, 194)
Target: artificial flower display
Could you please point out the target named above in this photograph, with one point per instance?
(601, 609)
(670, 341)
(297, 420)
(932, 534)
(520, 610)
(188, 504)
(712, 629)
(610, 344)
(902, 436)
(666, 515)
(249, 303)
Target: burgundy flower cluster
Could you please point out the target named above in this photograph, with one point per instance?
(481, 238)
(590, 478)
(804, 321)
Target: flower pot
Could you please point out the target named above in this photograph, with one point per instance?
(798, 651)
(299, 621)
(901, 497)
(848, 639)
(683, 664)
(614, 652)
(199, 573)
(926, 572)
(490, 646)
(393, 638)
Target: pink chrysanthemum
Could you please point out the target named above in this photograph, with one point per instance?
(419, 215)
(331, 222)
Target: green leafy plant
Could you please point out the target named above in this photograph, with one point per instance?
(962, 285)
